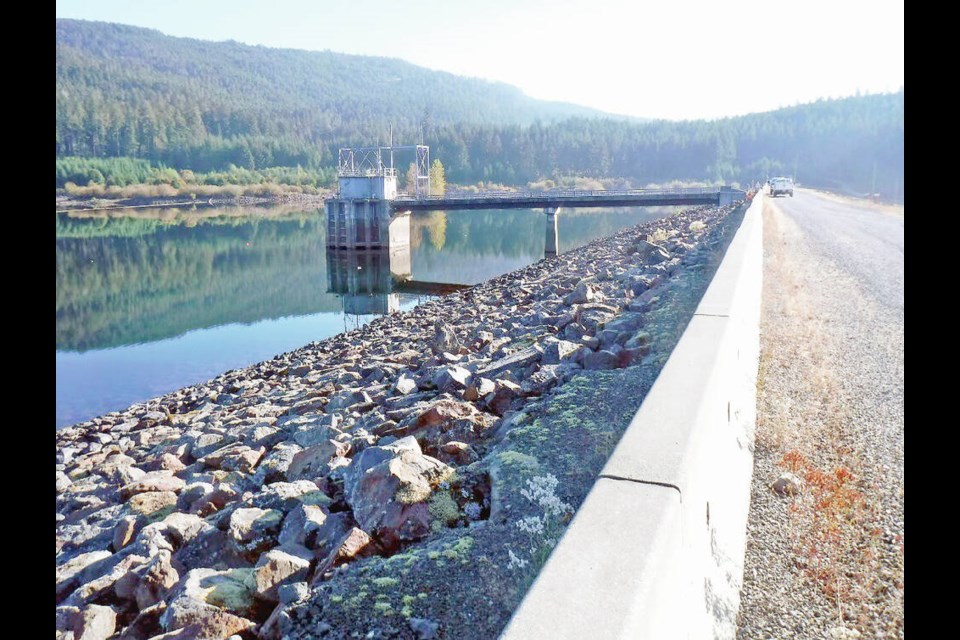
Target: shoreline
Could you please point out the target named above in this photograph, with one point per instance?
(73, 205)
(346, 484)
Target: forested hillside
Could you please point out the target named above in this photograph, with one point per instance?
(127, 92)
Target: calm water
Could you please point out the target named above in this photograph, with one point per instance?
(151, 303)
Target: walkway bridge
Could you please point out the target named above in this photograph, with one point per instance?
(369, 211)
(569, 198)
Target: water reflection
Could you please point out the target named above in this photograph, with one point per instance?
(165, 298)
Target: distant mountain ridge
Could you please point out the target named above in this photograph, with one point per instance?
(113, 73)
(131, 92)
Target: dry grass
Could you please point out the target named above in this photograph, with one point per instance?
(804, 419)
(892, 209)
(94, 190)
(660, 235)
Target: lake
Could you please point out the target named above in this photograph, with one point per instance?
(163, 298)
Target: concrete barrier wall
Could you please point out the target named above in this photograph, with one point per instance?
(656, 550)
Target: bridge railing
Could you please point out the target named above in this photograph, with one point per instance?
(563, 193)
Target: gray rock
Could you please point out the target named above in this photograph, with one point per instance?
(293, 592)
(288, 495)
(405, 385)
(233, 457)
(279, 566)
(312, 434)
(651, 253)
(156, 580)
(68, 573)
(124, 532)
(214, 601)
(63, 482)
(274, 466)
(301, 523)
(254, 530)
(212, 548)
(582, 293)
(479, 388)
(559, 351)
(638, 340)
(519, 360)
(95, 622)
(451, 378)
(444, 339)
(425, 629)
(356, 543)
(312, 462)
(162, 480)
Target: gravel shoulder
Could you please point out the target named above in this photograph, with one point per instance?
(828, 563)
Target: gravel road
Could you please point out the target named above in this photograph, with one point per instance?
(831, 394)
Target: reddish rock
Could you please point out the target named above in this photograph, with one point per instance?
(499, 401)
(388, 488)
(279, 566)
(458, 453)
(355, 543)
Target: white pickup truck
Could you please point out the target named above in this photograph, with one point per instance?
(781, 186)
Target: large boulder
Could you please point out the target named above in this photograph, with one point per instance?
(583, 293)
(153, 505)
(388, 487)
(288, 495)
(651, 253)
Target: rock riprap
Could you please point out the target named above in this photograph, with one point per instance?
(247, 505)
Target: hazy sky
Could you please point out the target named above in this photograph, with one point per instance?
(673, 59)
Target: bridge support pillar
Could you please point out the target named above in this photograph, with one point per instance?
(727, 196)
(552, 236)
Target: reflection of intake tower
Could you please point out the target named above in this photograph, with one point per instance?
(366, 278)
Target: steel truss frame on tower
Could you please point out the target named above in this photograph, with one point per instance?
(368, 162)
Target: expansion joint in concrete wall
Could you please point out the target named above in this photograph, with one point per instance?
(650, 482)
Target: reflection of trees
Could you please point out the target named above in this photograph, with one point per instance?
(126, 284)
(434, 223)
(437, 224)
(126, 280)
